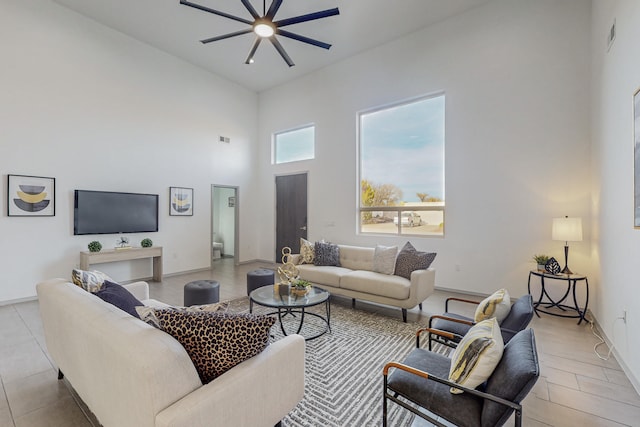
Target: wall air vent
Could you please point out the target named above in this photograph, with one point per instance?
(225, 139)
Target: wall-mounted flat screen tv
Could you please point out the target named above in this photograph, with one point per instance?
(105, 212)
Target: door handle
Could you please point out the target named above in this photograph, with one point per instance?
(304, 227)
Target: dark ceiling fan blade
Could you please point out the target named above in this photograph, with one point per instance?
(302, 39)
(215, 12)
(250, 8)
(281, 51)
(273, 9)
(308, 17)
(226, 36)
(253, 50)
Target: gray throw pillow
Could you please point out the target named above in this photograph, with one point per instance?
(409, 260)
(326, 254)
(384, 259)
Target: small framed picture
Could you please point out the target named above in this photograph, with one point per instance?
(31, 196)
(180, 201)
(232, 202)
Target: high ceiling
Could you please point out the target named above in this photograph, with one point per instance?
(177, 29)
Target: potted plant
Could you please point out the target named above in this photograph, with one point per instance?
(541, 260)
(146, 243)
(94, 246)
(300, 287)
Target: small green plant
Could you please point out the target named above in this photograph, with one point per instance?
(94, 246)
(301, 283)
(541, 259)
(146, 243)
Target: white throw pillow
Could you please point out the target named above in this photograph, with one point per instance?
(477, 355)
(384, 259)
(307, 251)
(497, 305)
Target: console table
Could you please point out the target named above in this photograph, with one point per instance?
(571, 280)
(112, 255)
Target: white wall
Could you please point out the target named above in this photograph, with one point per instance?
(515, 74)
(616, 245)
(100, 111)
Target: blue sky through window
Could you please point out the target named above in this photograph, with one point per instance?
(403, 145)
(294, 145)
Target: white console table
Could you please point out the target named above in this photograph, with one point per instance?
(113, 255)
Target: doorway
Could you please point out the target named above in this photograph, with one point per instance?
(224, 220)
(291, 212)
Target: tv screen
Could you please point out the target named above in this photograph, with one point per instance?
(104, 212)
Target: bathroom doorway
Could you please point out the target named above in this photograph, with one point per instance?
(224, 220)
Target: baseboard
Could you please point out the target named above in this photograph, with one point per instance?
(634, 381)
(18, 300)
(459, 291)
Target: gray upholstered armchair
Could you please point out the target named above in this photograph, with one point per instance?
(456, 325)
(420, 385)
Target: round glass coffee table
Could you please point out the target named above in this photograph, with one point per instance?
(291, 303)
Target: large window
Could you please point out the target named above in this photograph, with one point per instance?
(293, 145)
(402, 168)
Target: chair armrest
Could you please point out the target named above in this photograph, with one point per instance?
(258, 392)
(428, 376)
(445, 334)
(450, 319)
(139, 290)
(467, 301)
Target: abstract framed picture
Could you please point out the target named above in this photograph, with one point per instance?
(31, 196)
(180, 201)
(636, 160)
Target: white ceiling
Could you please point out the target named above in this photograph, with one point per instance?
(177, 29)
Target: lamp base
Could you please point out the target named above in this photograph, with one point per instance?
(566, 270)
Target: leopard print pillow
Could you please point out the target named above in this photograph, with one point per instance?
(217, 341)
(409, 260)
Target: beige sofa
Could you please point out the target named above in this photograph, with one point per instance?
(131, 374)
(356, 279)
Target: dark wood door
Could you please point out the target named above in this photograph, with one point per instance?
(291, 212)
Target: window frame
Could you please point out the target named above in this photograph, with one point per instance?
(360, 209)
(274, 143)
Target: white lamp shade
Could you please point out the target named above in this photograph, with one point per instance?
(567, 229)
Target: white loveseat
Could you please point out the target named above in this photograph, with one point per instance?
(131, 374)
(355, 279)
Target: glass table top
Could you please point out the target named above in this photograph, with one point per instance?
(283, 296)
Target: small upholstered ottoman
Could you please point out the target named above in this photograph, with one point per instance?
(258, 278)
(201, 292)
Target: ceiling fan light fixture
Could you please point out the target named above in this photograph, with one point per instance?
(264, 29)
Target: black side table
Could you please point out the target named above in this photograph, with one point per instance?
(571, 279)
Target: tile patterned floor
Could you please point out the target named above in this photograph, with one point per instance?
(576, 387)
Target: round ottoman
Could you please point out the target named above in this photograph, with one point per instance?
(201, 292)
(259, 278)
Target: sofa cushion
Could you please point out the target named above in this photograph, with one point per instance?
(477, 355)
(329, 275)
(89, 280)
(409, 259)
(384, 259)
(326, 254)
(495, 305)
(306, 251)
(374, 283)
(147, 312)
(215, 341)
(356, 257)
(115, 294)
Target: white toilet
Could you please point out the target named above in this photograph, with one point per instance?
(217, 248)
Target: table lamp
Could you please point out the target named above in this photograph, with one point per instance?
(569, 230)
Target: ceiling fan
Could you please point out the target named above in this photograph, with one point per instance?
(265, 27)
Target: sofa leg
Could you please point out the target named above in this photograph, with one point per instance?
(420, 305)
(404, 315)
(60, 374)
(353, 303)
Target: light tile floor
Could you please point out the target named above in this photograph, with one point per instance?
(576, 387)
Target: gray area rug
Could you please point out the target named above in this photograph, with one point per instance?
(343, 378)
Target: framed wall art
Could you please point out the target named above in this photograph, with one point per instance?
(180, 201)
(31, 196)
(636, 161)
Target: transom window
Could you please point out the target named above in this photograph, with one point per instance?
(401, 175)
(294, 145)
